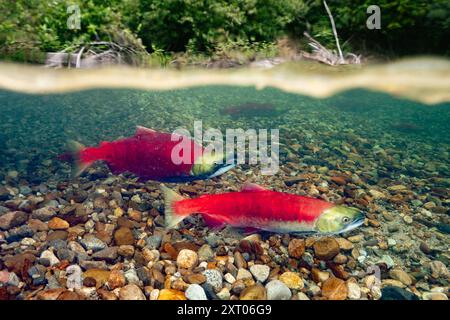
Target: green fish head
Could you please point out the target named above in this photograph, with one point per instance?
(339, 219)
(210, 165)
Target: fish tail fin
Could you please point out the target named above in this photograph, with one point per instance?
(75, 149)
(173, 216)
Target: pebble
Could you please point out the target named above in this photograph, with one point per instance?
(124, 236)
(150, 255)
(19, 233)
(108, 254)
(260, 272)
(408, 219)
(396, 293)
(243, 274)
(434, 296)
(116, 279)
(37, 273)
(126, 251)
(353, 291)
(392, 282)
(345, 244)
(101, 277)
(56, 223)
(319, 276)
(334, 289)
(224, 294)
(387, 260)
(425, 248)
(70, 295)
(356, 238)
(187, 259)
(132, 276)
(302, 296)
(51, 294)
(44, 214)
(400, 275)
(326, 248)
(131, 292)
(154, 241)
(171, 294)
(12, 219)
(296, 248)
(213, 278)
(50, 256)
(154, 294)
(292, 280)
(239, 260)
(195, 292)
(277, 290)
(197, 278)
(205, 253)
(438, 270)
(229, 278)
(254, 292)
(91, 242)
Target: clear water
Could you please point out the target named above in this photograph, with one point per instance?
(374, 139)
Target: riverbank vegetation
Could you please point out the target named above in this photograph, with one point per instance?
(190, 31)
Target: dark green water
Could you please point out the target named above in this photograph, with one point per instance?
(35, 128)
(387, 157)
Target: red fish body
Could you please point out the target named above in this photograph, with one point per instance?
(253, 207)
(148, 154)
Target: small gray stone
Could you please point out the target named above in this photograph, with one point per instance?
(88, 264)
(132, 276)
(37, 273)
(3, 210)
(195, 292)
(57, 244)
(44, 214)
(25, 190)
(66, 254)
(50, 256)
(90, 242)
(19, 233)
(212, 240)
(277, 290)
(260, 272)
(12, 219)
(154, 241)
(108, 254)
(205, 253)
(213, 278)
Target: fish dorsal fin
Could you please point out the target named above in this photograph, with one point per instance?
(143, 131)
(252, 187)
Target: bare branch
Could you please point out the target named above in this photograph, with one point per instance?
(333, 26)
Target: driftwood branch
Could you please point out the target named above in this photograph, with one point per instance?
(333, 26)
(327, 56)
(93, 54)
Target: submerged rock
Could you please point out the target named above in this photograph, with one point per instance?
(396, 293)
(277, 290)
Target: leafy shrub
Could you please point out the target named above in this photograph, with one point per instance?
(201, 25)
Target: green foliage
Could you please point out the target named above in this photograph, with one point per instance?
(407, 26)
(242, 29)
(203, 25)
(42, 25)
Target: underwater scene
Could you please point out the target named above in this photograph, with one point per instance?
(346, 196)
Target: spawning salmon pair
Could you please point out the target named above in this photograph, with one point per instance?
(148, 154)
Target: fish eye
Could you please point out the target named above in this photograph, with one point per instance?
(345, 219)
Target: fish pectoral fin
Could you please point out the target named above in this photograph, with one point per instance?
(252, 187)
